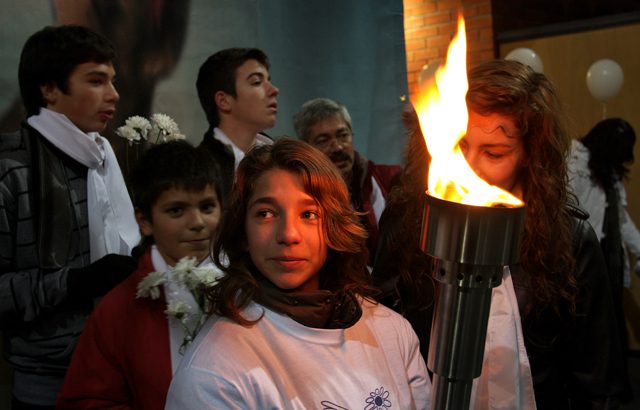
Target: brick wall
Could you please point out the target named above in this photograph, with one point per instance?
(429, 27)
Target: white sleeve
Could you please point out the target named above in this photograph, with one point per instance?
(419, 381)
(193, 388)
(629, 231)
(579, 174)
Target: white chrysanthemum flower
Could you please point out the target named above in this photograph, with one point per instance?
(205, 276)
(135, 130)
(194, 277)
(185, 264)
(128, 133)
(164, 123)
(149, 287)
(140, 124)
(178, 309)
(181, 273)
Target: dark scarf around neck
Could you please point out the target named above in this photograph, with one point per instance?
(321, 309)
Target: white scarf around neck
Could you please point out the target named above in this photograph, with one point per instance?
(112, 225)
(505, 382)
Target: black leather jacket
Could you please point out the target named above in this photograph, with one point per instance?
(224, 158)
(576, 359)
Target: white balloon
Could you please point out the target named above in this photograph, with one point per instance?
(604, 79)
(526, 56)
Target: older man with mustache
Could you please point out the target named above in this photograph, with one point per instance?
(327, 125)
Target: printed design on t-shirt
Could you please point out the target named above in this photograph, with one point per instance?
(377, 400)
(327, 405)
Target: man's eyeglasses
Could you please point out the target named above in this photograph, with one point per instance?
(325, 141)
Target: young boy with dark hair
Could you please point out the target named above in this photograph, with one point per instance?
(130, 348)
(66, 220)
(240, 102)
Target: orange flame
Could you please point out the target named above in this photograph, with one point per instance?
(443, 116)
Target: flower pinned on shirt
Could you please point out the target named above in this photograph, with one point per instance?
(195, 279)
(149, 287)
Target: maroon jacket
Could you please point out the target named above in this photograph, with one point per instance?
(123, 357)
(361, 188)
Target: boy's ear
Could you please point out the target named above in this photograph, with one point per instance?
(49, 93)
(223, 101)
(146, 227)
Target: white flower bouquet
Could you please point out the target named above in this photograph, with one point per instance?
(161, 128)
(138, 130)
(197, 280)
(135, 129)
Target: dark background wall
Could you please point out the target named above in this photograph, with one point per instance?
(511, 16)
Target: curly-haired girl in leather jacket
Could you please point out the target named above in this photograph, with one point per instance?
(516, 140)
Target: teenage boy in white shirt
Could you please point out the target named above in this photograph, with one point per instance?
(240, 101)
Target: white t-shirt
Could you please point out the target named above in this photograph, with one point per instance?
(281, 364)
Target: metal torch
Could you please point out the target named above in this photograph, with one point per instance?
(471, 246)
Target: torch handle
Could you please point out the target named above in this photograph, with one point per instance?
(456, 348)
(459, 331)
